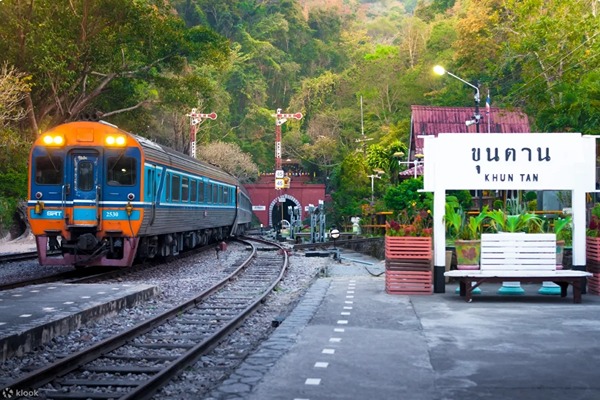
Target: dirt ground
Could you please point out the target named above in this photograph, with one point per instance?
(20, 244)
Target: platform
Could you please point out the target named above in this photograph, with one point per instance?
(31, 316)
(348, 339)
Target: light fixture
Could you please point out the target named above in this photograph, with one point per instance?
(438, 69)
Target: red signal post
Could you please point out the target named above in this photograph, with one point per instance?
(195, 119)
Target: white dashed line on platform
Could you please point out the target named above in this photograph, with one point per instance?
(328, 351)
(312, 381)
(321, 364)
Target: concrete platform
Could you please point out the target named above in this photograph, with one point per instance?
(348, 339)
(32, 316)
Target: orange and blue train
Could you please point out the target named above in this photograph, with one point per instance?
(100, 196)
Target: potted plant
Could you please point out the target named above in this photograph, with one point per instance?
(468, 239)
(592, 240)
(562, 228)
(408, 236)
(408, 253)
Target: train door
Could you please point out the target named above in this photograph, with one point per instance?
(82, 188)
(152, 173)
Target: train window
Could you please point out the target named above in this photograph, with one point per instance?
(168, 188)
(176, 186)
(150, 184)
(225, 196)
(48, 170)
(209, 193)
(185, 189)
(121, 171)
(193, 191)
(85, 175)
(201, 190)
(215, 194)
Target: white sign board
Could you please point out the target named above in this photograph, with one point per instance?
(509, 161)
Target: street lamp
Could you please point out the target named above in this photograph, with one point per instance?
(415, 163)
(377, 175)
(438, 69)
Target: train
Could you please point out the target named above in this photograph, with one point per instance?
(101, 196)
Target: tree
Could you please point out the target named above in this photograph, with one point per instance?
(14, 86)
(78, 51)
(230, 158)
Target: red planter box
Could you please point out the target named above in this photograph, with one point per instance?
(408, 265)
(402, 247)
(592, 249)
(408, 282)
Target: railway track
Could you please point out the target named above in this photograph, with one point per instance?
(136, 363)
(29, 255)
(87, 274)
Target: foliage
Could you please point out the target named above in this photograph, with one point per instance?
(8, 208)
(463, 197)
(593, 229)
(501, 221)
(14, 86)
(406, 196)
(145, 64)
(452, 218)
(229, 158)
(471, 226)
(562, 228)
(411, 223)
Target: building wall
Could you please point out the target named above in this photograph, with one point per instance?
(265, 197)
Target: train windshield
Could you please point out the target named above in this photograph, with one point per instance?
(121, 171)
(49, 170)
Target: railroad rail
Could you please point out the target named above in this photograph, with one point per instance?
(136, 363)
(11, 257)
(89, 274)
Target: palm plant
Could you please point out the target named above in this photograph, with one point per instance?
(523, 222)
(472, 225)
(516, 218)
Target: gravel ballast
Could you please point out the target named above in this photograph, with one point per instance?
(177, 281)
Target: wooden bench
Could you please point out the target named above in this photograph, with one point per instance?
(518, 257)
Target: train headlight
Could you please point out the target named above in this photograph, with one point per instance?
(53, 140)
(128, 209)
(131, 196)
(38, 195)
(115, 140)
(39, 207)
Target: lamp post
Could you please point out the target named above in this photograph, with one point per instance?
(438, 69)
(415, 163)
(377, 175)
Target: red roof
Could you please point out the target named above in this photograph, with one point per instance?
(429, 120)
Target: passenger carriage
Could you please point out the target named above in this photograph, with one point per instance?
(101, 196)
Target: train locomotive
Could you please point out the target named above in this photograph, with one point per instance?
(100, 196)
